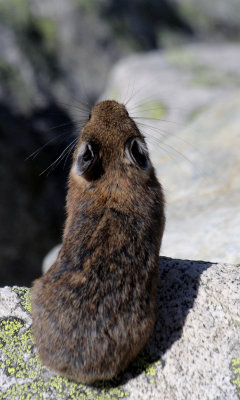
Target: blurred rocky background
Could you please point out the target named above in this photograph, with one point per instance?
(176, 61)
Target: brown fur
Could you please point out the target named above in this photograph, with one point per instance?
(94, 310)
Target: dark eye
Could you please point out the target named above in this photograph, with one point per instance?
(89, 116)
(88, 161)
(137, 153)
(85, 157)
(88, 154)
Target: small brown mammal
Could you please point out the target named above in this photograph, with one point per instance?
(94, 309)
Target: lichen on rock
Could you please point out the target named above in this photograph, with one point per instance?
(21, 366)
(236, 371)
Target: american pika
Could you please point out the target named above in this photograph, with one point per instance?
(94, 310)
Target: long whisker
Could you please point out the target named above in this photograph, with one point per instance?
(163, 132)
(79, 106)
(59, 158)
(68, 153)
(168, 133)
(141, 88)
(36, 152)
(150, 108)
(131, 95)
(161, 142)
(126, 96)
(155, 119)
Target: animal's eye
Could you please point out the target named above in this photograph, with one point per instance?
(88, 161)
(88, 154)
(89, 116)
(137, 153)
(85, 157)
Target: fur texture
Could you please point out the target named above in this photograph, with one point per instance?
(94, 310)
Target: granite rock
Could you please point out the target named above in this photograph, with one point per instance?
(215, 18)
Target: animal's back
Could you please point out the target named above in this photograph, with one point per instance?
(103, 306)
(94, 310)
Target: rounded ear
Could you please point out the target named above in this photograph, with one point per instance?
(85, 157)
(136, 152)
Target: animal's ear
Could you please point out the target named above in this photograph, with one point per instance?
(86, 156)
(136, 152)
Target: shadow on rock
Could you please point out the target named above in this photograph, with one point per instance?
(178, 286)
(177, 290)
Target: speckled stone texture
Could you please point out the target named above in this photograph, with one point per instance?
(193, 353)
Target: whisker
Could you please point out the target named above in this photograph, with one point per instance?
(157, 141)
(149, 99)
(161, 142)
(164, 133)
(68, 153)
(56, 162)
(79, 107)
(160, 130)
(145, 103)
(158, 105)
(36, 152)
(154, 140)
(155, 119)
(131, 96)
(137, 92)
(150, 108)
(61, 125)
(141, 88)
(126, 96)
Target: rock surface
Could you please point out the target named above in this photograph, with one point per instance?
(212, 18)
(187, 104)
(193, 353)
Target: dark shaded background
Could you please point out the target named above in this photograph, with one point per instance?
(54, 61)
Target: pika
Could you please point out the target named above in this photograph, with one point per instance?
(94, 310)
